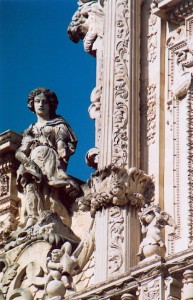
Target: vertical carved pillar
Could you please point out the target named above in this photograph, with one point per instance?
(9, 142)
(120, 91)
(117, 130)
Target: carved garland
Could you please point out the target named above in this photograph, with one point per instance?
(121, 89)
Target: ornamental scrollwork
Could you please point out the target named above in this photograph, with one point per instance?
(121, 88)
(116, 240)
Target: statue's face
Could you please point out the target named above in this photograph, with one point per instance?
(149, 217)
(41, 105)
(56, 257)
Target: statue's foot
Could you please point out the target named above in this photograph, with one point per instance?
(58, 182)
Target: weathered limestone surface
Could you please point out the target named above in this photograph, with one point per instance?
(108, 238)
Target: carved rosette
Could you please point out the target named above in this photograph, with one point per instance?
(121, 85)
(114, 186)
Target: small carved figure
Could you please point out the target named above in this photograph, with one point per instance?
(44, 153)
(61, 266)
(152, 221)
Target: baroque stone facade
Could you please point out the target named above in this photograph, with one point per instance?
(127, 233)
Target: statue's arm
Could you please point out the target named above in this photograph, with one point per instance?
(22, 154)
(62, 140)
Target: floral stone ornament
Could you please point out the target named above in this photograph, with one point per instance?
(116, 186)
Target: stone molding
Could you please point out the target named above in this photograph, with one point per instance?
(169, 273)
(174, 11)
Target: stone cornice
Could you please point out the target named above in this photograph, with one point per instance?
(174, 11)
(173, 265)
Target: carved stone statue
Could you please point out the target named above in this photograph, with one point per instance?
(44, 153)
(152, 221)
(60, 266)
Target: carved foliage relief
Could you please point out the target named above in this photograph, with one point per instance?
(151, 113)
(152, 38)
(121, 89)
(116, 240)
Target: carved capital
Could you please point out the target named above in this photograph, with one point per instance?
(116, 186)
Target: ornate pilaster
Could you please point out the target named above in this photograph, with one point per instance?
(120, 91)
(178, 131)
(115, 191)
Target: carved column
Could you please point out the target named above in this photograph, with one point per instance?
(119, 143)
(187, 291)
(115, 107)
(127, 297)
(120, 91)
(9, 142)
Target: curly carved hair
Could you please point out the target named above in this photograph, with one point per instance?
(50, 96)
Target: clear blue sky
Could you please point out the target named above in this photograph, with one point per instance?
(35, 51)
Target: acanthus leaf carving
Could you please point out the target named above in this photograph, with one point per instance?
(113, 186)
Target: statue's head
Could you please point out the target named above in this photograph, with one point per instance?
(50, 96)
